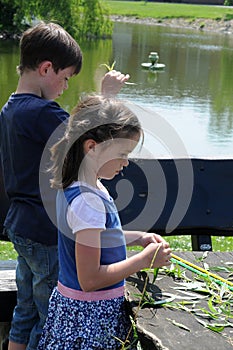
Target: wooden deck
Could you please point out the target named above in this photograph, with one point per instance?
(160, 327)
(7, 275)
(165, 328)
(7, 298)
(7, 289)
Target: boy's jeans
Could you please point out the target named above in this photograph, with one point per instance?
(36, 276)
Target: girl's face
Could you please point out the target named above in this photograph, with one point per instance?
(114, 157)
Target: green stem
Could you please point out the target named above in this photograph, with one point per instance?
(142, 296)
(200, 273)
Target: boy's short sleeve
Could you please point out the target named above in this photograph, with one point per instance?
(85, 212)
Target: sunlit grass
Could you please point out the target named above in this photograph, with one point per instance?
(183, 243)
(7, 251)
(223, 244)
(160, 10)
(177, 243)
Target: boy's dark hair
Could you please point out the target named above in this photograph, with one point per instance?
(49, 42)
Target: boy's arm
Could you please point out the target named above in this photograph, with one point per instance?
(112, 83)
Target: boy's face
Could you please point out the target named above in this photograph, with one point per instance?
(55, 83)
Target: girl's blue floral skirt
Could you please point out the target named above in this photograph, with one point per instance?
(85, 325)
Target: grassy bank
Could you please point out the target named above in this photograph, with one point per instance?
(143, 9)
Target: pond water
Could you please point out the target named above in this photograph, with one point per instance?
(186, 110)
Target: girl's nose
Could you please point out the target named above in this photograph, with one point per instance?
(125, 162)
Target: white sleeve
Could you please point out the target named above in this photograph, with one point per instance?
(86, 211)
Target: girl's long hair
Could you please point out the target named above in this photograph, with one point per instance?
(97, 118)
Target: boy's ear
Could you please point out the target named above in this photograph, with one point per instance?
(44, 67)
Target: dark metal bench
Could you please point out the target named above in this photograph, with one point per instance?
(210, 209)
(161, 192)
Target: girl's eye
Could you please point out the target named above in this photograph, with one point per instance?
(124, 155)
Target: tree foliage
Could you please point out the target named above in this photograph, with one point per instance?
(94, 21)
(81, 18)
(228, 2)
(7, 11)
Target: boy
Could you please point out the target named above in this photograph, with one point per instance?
(49, 57)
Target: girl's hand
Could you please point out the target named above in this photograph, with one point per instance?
(148, 238)
(162, 257)
(112, 82)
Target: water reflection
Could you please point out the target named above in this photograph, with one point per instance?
(8, 76)
(194, 94)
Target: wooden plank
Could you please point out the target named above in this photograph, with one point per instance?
(7, 276)
(7, 291)
(7, 264)
(158, 325)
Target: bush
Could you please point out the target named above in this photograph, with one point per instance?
(81, 18)
(7, 13)
(228, 17)
(228, 2)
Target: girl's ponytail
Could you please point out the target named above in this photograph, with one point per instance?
(58, 156)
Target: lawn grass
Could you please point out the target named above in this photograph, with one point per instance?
(142, 9)
(7, 251)
(183, 243)
(177, 243)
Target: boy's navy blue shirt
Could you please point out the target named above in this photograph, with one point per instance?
(26, 123)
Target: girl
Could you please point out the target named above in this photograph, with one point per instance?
(87, 309)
